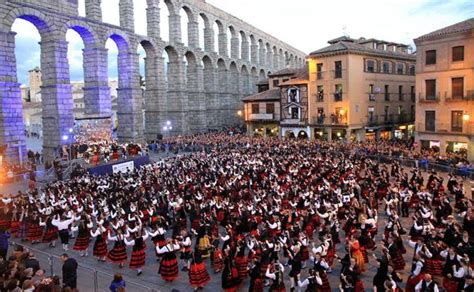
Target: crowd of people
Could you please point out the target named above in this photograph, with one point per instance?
(292, 215)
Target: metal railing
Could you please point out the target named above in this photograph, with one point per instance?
(52, 266)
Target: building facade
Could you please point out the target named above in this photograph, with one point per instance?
(361, 89)
(445, 89)
(280, 108)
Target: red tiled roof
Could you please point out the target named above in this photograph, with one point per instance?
(272, 94)
(462, 26)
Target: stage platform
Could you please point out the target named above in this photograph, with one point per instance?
(119, 166)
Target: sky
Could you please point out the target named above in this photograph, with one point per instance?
(305, 24)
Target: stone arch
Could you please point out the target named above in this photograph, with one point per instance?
(244, 47)
(221, 35)
(254, 77)
(198, 118)
(222, 75)
(148, 45)
(262, 52)
(262, 75)
(42, 22)
(276, 58)
(253, 50)
(269, 55)
(190, 31)
(233, 42)
(87, 33)
(212, 104)
(206, 34)
(245, 81)
(120, 39)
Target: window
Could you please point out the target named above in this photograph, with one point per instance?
(386, 67)
(319, 71)
(370, 66)
(276, 82)
(321, 115)
(338, 92)
(270, 107)
(430, 57)
(412, 93)
(386, 94)
(430, 89)
(371, 111)
(456, 121)
(255, 108)
(295, 113)
(338, 71)
(400, 68)
(371, 92)
(385, 112)
(400, 109)
(293, 95)
(412, 70)
(458, 54)
(320, 93)
(284, 80)
(430, 118)
(400, 93)
(457, 87)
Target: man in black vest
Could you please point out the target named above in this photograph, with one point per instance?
(427, 285)
(69, 271)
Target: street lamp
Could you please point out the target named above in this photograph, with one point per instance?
(239, 113)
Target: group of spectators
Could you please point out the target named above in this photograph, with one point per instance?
(261, 210)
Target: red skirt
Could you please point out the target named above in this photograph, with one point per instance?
(217, 261)
(325, 287)
(15, 227)
(330, 256)
(398, 262)
(50, 235)
(100, 248)
(82, 243)
(138, 259)
(118, 254)
(241, 263)
(169, 269)
(450, 284)
(198, 275)
(359, 286)
(412, 282)
(34, 232)
(257, 285)
(434, 266)
(5, 224)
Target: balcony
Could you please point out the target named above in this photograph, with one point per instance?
(428, 99)
(333, 120)
(319, 97)
(261, 117)
(466, 129)
(469, 96)
(389, 119)
(372, 96)
(337, 96)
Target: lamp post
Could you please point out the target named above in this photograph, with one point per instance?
(68, 139)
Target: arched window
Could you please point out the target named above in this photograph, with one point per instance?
(370, 66)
